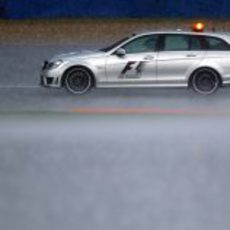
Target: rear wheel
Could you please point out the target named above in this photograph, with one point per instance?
(78, 80)
(205, 81)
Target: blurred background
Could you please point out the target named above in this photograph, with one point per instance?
(87, 20)
(163, 166)
(25, 9)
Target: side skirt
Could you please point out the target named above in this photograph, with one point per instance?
(155, 85)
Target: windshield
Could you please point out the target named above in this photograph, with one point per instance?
(106, 49)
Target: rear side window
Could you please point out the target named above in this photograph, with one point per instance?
(195, 43)
(174, 42)
(213, 43)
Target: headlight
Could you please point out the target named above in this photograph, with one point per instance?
(53, 65)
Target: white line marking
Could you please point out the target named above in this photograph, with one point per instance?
(19, 86)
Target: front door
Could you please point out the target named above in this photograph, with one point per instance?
(136, 66)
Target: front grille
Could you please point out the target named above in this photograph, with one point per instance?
(45, 65)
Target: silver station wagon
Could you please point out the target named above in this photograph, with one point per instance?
(200, 61)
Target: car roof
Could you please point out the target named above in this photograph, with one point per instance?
(225, 36)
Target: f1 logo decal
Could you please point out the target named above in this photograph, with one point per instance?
(132, 70)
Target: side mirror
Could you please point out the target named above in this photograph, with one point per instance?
(120, 52)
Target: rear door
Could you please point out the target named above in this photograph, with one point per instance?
(218, 55)
(178, 55)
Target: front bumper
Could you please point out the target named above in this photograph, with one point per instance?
(52, 82)
(51, 78)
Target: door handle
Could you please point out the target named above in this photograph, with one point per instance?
(191, 55)
(148, 58)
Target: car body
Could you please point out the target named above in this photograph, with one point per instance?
(150, 59)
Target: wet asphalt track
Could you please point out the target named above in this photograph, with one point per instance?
(164, 168)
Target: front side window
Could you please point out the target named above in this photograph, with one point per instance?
(141, 45)
(176, 42)
(213, 43)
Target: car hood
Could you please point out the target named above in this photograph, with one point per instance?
(81, 54)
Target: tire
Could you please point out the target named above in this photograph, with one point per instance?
(78, 80)
(205, 81)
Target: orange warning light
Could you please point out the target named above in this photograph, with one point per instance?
(198, 27)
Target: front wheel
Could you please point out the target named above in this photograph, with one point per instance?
(78, 80)
(205, 81)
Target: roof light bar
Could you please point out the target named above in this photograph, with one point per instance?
(199, 27)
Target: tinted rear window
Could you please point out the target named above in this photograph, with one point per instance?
(174, 42)
(195, 43)
(213, 43)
